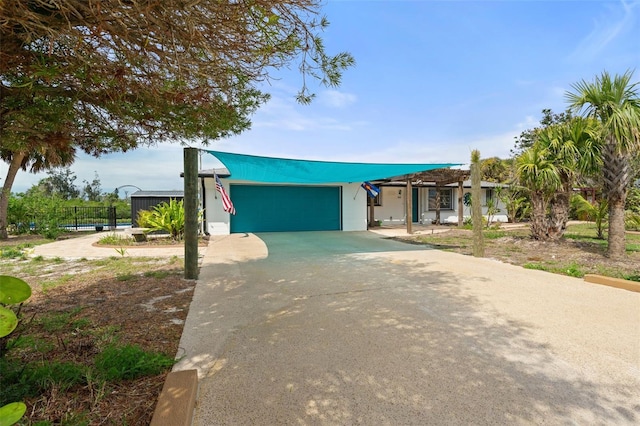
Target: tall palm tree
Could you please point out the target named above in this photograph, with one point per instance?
(36, 157)
(615, 102)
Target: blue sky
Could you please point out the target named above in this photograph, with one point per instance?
(433, 81)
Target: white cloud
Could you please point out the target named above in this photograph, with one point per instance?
(440, 151)
(606, 29)
(337, 99)
(286, 114)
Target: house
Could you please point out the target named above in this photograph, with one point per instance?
(391, 204)
(276, 194)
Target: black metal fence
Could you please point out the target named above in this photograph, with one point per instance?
(79, 218)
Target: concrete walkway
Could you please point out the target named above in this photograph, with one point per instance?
(333, 328)
(85, 247)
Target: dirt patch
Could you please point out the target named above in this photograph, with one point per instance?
(574, 257)
(142, 302)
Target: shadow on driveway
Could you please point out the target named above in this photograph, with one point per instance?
(350, 328)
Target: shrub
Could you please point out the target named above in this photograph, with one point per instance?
(143, 218)
(168, 217)
(632, 221)
(115, 240)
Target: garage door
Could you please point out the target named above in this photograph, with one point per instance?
(273, 208)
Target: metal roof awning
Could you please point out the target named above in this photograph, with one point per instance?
(281, 170)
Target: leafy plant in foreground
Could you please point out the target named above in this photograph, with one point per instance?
(12, 291)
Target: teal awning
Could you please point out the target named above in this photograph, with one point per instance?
(281, 170)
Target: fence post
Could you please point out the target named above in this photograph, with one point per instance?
(113, 220)
(75, 216)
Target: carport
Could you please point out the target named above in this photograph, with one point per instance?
(277, 194)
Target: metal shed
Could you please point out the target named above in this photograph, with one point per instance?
(146, 200)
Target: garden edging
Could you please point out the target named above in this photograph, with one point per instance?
(613, 282)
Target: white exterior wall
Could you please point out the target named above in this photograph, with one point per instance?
(392, 210)
(217, 220)
(354, 207)
(393, 205)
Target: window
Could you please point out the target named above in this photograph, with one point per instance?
(489, 197)
(445, 199)
(378, 200)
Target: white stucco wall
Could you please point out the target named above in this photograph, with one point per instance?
(393, 208)
(217, 220)
(393, 205)
(354, 207)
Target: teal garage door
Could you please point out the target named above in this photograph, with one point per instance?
(273, 208)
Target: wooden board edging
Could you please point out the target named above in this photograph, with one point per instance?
(613, 282)
(177, 399)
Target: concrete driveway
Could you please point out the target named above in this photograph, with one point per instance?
(336, 328)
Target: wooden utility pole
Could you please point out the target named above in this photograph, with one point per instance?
(190, 213)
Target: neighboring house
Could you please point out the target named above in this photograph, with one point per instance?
(274, 194)
(390, 205)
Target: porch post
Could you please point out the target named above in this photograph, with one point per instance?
(460, 204)
(371, 211)
(409, 199)
(438, 203)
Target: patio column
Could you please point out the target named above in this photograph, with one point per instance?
(372, 219)
(460, 204)
(438, 204)
(409, 199)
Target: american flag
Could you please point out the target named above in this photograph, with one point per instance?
(227, 205)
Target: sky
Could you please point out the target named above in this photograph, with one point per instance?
(433, 81)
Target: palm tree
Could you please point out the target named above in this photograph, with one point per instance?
(550, 168)
(36, 157)
(539, 174)
(615, 102)
(573, 147)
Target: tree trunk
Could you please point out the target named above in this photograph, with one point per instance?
(616, 238)
(617, 176)
(559, 213)
(16, 161)
(539, 225)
